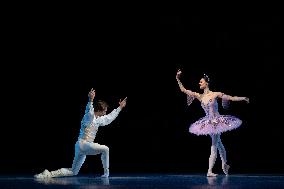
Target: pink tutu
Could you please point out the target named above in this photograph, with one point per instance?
(216, 125)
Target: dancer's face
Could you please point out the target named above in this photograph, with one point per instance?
(202, 83)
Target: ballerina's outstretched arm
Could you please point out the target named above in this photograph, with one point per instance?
(184, 90)
(232, 98)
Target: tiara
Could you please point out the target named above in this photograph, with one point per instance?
(207, 77)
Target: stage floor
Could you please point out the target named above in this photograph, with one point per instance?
(148, 181)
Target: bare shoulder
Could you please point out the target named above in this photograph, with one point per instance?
(217, 94)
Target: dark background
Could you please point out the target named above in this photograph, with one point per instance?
(53, 57)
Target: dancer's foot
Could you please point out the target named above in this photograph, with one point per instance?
(226, 168)
(44, 174)
(106, 175)
(210, 174)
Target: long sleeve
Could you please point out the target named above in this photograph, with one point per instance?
(107, 119)
(189, 99)
(89, 114)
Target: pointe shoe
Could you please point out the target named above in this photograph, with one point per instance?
(226, 168)
(210, 174)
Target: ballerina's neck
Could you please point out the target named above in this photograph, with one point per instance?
(206, 91)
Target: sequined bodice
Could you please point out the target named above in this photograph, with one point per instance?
(210, 107)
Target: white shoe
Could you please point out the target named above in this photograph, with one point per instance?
(226, 168)
(106, 175)
(210, 174)
(44, 174)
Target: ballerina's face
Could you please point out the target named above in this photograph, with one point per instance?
(202, 83)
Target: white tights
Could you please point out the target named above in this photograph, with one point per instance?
(82, 149)
(217, 145)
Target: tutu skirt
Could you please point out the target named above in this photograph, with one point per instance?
(216, 125)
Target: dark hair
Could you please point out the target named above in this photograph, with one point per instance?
(206, 78)
(100, 106)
